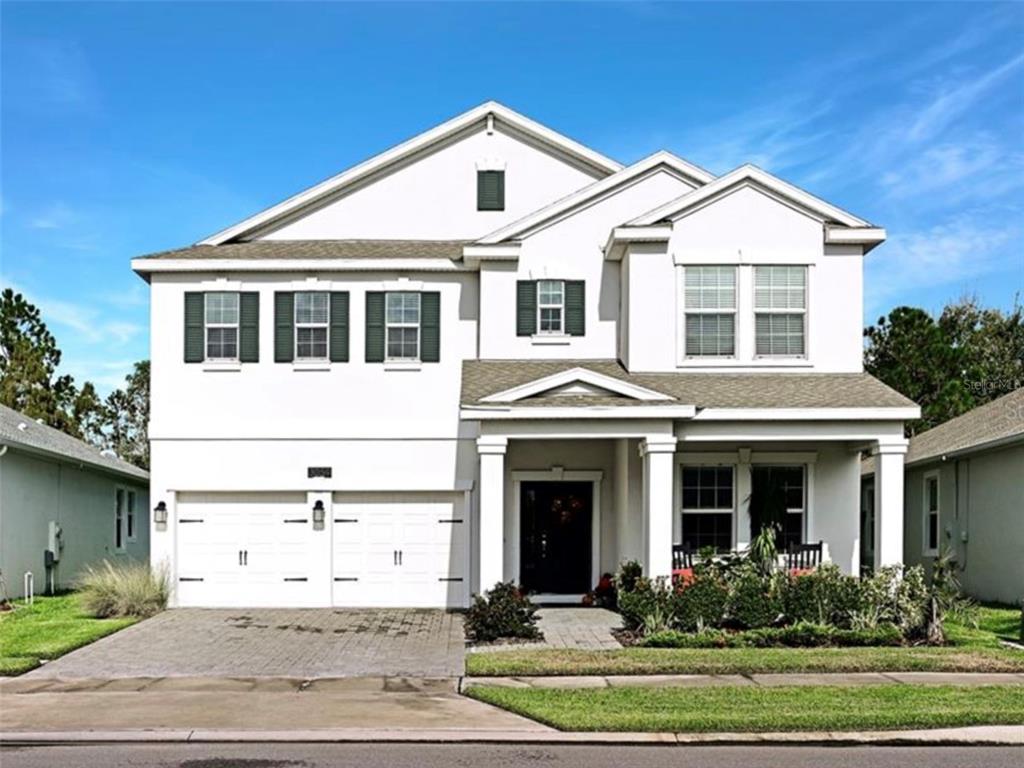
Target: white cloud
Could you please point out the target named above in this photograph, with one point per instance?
(56, 216)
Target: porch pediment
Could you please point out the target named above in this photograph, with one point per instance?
(580, 384)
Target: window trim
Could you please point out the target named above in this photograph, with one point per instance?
(418, 325)
(131, 518)
(120, 518)
(237, 326)
(296, 358)
(560, 307)
(927, 513)
(482, 173)
(788, 311)
(686, 355)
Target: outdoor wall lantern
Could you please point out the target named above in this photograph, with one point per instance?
(160, 513)
(318, 512)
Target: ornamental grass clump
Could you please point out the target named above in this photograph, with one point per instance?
(125, 589)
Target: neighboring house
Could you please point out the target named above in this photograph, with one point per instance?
(64, 505)
(965, 494)
(493, 353)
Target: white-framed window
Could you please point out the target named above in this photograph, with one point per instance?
(120, 514)
(131, 529)
(402, 320)
(931, 513)
(221, 324)
(708, 506)
(780, 311)
(312, 318)
(551, 306)
(709, 307)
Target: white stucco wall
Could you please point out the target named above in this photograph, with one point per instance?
(981, 518)
(434, 196)
(35, 490)
(569, 249)
(745, 228)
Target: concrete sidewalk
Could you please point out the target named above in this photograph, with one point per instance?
(772, 681)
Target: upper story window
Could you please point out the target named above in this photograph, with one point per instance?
(312, 323)
(551, 306)
(403, 325)
(490, 190)
(780, 311)
(931, 514)
(221, 323)
(709, 299)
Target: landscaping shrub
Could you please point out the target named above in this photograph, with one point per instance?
(700, 604)
(643, 601)
(753, 600)
(125, 589)
(501, 612)
(802, 635)
(823, 596)
(883, 634)
(630, 572)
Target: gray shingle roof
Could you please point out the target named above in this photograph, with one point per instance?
(481, 378)
(1002, 419)
(321, 249)
(39, 437)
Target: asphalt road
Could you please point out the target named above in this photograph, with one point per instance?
(501, 756)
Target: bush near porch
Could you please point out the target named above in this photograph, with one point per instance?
(736, 602)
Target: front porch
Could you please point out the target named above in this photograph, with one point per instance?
(561, 503)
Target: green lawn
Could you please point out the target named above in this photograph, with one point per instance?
(971, 650)
(735, 709)
(49, 628)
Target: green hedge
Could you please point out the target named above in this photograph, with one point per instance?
(802, 635)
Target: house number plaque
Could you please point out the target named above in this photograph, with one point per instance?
(318, 471)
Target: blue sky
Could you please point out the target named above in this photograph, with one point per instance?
(132, 127)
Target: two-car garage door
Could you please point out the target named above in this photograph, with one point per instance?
(256, 550)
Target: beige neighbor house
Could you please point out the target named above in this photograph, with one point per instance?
(964, 491)
(64, 505)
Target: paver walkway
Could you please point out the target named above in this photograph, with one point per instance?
(588, 629)
(296, 643)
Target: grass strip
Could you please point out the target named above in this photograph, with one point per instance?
(751, 709)
(722, 661)
(49, 628)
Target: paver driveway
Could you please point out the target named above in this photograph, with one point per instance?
(298, 643)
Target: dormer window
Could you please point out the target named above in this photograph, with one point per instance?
(490, 190)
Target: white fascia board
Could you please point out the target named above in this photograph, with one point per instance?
(749, 173)
(869, 237)
(413, 145)
(509, 413)
(604, 187)
(621, 237)
(475, 253)
(808, 414)
(148, 266)
(571, 376)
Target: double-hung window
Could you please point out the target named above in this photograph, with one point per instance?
(931, 513)
(119, 518)
(129, 520)
(312, 319)
(402, 319)
(221, 323)
(709, 302)
(551, 306)
(708, 507)
(780, 311)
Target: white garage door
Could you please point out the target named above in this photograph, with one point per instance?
(250, 550)
(400, 550)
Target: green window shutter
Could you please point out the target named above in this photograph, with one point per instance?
(374, 327)
(430, 327)
(195, 341)
(339, 327)
(575, 308)
(490, 190)
(284, 326)
(526, 307)
(249, 327)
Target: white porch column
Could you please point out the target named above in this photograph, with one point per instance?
(889, 502)
(658, 453)
(492, 509)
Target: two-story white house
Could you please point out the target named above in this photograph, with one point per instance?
(492, 353)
